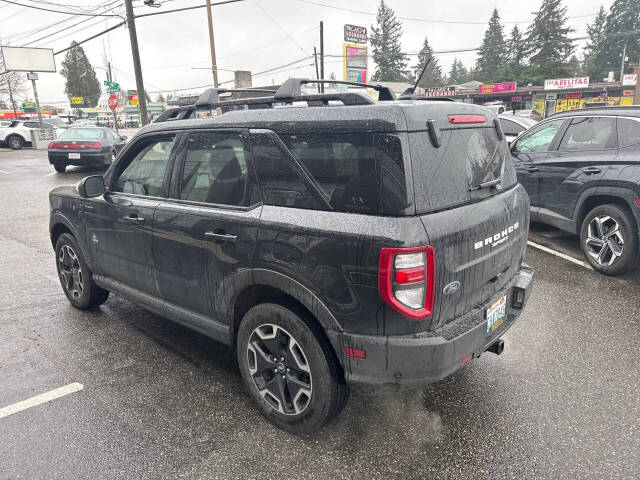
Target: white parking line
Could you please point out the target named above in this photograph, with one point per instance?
(560, 254)
(40, 399)
(6, 173)
(50, 174)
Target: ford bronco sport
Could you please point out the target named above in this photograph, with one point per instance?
(350, 242)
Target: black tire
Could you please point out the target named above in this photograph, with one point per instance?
(328, 391)
(60, 167)
(620, 249)
(81, 291)
(15, 142)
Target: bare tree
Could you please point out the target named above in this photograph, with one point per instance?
(11, 83)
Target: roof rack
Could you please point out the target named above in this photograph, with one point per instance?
(288, 93)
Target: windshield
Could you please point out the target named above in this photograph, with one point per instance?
(83, 134)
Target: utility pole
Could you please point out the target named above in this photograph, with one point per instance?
(214, 67)
(13, 103)
(33, 77)
(315, 55)
(624, 54)
(636, 96)
(110, 78)
(142, 99)
(321, 55)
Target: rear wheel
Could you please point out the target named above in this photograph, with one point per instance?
(60, 167)
(15, 142)
(289, 368)
(75, 277)
(609, 239)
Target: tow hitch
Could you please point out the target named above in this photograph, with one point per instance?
(496, 347)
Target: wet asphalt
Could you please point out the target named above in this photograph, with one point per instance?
(160, 401)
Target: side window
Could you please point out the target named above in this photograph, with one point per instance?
(215, 169)
(343, 165)
(540, 138)
(33, 125)
(628, 131)
(590, 133)
(145, 173)
(511, 128)
(280, 183)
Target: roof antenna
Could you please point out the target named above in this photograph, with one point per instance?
(409, 93)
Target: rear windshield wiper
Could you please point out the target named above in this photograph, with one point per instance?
(493, 183)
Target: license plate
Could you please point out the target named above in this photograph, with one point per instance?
(74, 156)
(496, 313)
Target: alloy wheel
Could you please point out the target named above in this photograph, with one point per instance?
(70, 271)
(279, 369)
(604, 242)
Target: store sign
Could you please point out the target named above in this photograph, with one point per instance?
(355, 34)
(77, 100)
(564, 83)
(516, 99)
(497, 87)
(628, 93)
(440, 92)
(28, 106)
(133, 99)
(573, 95)
(629, 79)
(356, 75)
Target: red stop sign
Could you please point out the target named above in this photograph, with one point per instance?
(113, 101)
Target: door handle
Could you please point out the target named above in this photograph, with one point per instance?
(591, 171)
(220, 237)
(533, 169)
(133, 218)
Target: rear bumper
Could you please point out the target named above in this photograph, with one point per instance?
(86, 158)
(426, 358)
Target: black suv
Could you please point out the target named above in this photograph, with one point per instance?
(347, 242)
(582, 171)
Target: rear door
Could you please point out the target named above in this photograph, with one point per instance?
(529, 153)
(119, 223)
(580, 160)
(207, 230)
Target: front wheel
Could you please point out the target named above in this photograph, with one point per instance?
(609, 239)
(75, 277)
(289, 368)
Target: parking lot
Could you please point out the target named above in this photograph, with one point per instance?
(160, 401)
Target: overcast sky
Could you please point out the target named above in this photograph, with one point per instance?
(255, 35)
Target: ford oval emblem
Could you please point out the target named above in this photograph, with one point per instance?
(451, 288)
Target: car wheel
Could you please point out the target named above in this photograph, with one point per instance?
(609, 239)
(289, 368)
(60, 167)
(15, 142)
(75, 276)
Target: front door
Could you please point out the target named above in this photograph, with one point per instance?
(119, 223)
(207, 231)
(529, 152)
(587, 148)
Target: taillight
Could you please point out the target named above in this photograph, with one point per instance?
(406, 280)
(91, 145)
(638, 201)
(467, 119)
(52, 145)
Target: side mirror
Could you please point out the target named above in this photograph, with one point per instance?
(123, 137)
(92, 186)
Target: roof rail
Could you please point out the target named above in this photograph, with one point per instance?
(288, 93)
(292, 88)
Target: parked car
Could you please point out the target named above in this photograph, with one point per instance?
(18, 133)
(92, 146)
(326, 243)
(57, 122)
(497, 109)
(5, 123)
(582, 174)
(512, 125)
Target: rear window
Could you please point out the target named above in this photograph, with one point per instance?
(82, 134)
(450, 175)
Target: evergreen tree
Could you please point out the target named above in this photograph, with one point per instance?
(622, 26)
(3, 105)
(594, 59)
(433, 75)
(493, 50)
(80, 77)
(160, 98)
(391, 63)
(548, 41)
(516, 48)
(574, 67)
(458, 73)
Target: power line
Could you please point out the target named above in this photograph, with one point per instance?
(279, 26)
(59, 11)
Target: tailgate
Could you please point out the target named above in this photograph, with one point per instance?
(481, 245)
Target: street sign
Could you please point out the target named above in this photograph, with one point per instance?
(77, 100)
(113, 102)
(32, 76)
(112, 87)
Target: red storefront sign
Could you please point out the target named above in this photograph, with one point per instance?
(573, 95)
(497, 87)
